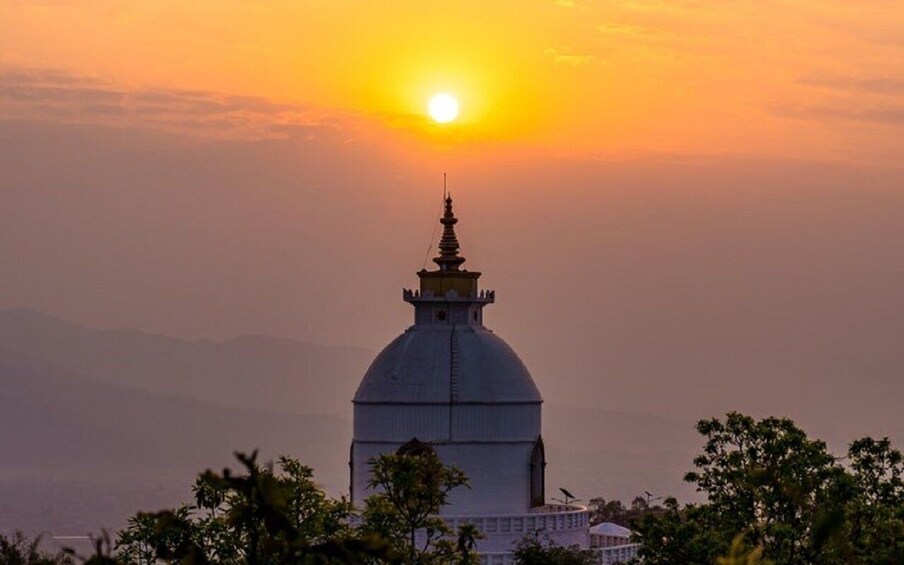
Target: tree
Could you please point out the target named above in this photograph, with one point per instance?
(412, 486)
(875, 512)
(774, 495)
(468, 534)
(279, 516)
(531, 550)
(263, 516)
(614, 511)
(768, 481)
(602, 510)
(678, 536)
(20, 550)
(103, 552)
(738, 554)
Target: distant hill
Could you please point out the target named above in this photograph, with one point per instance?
(79, 453)
(261, 372)
(96, 424)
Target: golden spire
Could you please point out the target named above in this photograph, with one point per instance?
(450, 277)
(449, 259)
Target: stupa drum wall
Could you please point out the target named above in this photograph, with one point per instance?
(447, 422)
(498, 472)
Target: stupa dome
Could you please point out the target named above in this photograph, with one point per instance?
(422, 366)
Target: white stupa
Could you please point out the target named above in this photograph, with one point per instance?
(450, 382)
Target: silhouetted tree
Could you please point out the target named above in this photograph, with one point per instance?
(874, 521)
(266, 516)
(411, 488)
(103, 552)
(531, 550)
(18, 549)
(259, 517)
(614, 511)
(740, 554)
(678, 535)
(774, 495)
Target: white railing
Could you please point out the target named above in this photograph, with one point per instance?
(606, 555)
(549, 518)
(617, 553)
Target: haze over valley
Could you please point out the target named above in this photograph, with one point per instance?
(98, 424)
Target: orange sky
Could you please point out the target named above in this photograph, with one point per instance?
(684, 206)
(813, 80)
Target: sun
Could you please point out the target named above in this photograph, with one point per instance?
(443, 108)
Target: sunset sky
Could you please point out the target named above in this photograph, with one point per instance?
(796, 79)
(668, 196)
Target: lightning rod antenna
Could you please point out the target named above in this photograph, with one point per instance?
(433, 235)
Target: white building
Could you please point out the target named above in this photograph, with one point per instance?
(607, 534)
(450, 382)
(612, 542)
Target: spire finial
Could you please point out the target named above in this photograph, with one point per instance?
(449, 259)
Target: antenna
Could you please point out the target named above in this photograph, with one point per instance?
(433, 235)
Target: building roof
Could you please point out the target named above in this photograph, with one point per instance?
(610, 529)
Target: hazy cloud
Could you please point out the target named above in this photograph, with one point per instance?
(562, 56)
(657, 39)
(47, 94)
(882, 85)
(623, 29)
(880, 114)
(651, 6)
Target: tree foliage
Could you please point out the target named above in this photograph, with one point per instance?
(614, 511)
(261, 517)
(532, 550)
(874, 522)
(275, 516)
(773, 495)
(740, 554)
(18, 549)
(411, 488)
